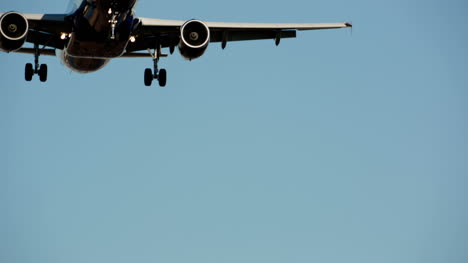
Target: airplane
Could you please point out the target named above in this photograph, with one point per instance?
(95, 31)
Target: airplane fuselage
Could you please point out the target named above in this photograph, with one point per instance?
(101, 31)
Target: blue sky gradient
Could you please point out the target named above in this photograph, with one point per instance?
(331, 147)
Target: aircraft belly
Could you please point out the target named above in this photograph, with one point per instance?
(105, 49)
(83, 65)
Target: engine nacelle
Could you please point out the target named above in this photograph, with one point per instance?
(194, 39)
(13, 31)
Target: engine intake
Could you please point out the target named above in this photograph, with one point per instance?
(13, 31)
(194, 39)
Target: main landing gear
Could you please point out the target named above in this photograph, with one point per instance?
(160, 75)
(40, 70)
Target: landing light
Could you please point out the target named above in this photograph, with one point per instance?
(132, 39)
(63, 36)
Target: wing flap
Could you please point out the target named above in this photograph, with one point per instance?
(229, 36)
(43, 52)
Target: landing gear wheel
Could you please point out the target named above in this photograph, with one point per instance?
(28, 72)
(43, 73)
(148, 77)
(162, 77)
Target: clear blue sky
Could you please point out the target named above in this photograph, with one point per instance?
(329, 148)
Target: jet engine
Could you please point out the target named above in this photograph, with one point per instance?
(13, 30)
(194, 39)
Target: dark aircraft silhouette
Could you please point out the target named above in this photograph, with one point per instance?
(95, 31)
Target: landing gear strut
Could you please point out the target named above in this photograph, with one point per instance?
(160, 75)
(40, 70)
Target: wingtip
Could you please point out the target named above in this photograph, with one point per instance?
(348, 25)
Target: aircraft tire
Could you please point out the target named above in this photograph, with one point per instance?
(28, 72)
(148, 77)
(162, 79)
(43, 73)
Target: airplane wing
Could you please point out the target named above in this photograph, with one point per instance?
(45, 30)
(158, 25)
(166, 32)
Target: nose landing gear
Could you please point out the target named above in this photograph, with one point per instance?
(113, 20)
(160, 75)
(40, 70)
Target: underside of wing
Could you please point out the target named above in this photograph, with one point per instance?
(163, 25)
(39, 29)
(168, 33)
